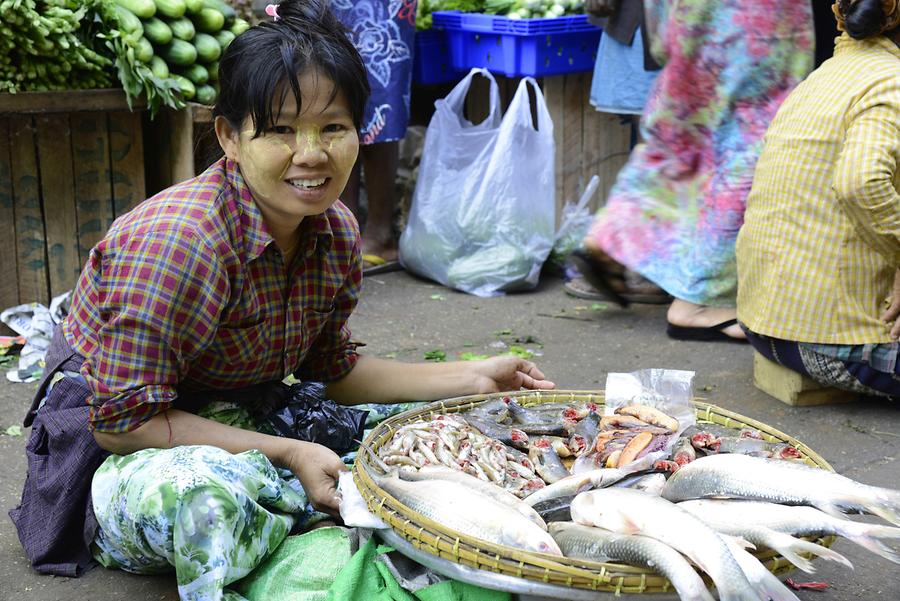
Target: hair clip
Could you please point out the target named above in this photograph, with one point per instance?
(272, 11)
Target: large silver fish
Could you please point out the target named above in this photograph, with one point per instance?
(724, 522)
(798, 521)
(629, 511)
(469, 511)
(784, 482)
(586, 542)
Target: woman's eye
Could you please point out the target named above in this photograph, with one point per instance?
(282, 129)
(333, 128)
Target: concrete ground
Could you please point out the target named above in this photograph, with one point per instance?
(578, 343)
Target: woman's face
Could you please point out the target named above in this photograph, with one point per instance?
(300, 165)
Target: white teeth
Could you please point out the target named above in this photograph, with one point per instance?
(307, 183)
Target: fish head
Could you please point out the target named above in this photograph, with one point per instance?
(528, 536)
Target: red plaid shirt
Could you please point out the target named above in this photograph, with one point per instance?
(189, 291)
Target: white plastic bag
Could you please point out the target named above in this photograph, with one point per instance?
(483, 211)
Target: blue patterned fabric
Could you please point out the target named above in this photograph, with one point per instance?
(382, 31)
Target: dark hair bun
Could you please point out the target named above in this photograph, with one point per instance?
(864, 18)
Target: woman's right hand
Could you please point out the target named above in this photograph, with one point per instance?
(600, 8)
(317, 467)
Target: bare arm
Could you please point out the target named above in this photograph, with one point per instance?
(375, 380)
(316, 466)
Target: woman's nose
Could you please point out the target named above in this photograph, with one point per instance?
(308, 150)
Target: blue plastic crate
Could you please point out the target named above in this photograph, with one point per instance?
(519, 47)
(431, 59)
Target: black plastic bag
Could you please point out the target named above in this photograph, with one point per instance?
(309, 416)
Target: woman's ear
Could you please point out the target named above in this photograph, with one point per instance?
(228, 138)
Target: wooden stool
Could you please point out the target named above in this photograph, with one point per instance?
(792, 388)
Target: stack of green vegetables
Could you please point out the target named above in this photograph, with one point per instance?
(168, 50)
(53, 45)
(513, 9)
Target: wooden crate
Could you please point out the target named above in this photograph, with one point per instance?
(184, 145)
(70, 163)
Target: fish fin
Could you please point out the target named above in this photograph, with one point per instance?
(831, 509)
(872, 537)
(629, 526)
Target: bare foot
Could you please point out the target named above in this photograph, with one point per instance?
(688, 315)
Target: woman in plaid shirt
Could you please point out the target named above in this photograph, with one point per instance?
(232, 280)
(820, 246)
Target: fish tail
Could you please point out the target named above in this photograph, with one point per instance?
(874, 538)
(791, 548)
(886, 505)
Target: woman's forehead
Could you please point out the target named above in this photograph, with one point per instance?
(318, 96)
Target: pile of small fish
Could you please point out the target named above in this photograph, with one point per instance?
(450, 441)
(724, 490)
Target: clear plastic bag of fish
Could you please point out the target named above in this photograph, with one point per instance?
(644, 414)
(310, 417)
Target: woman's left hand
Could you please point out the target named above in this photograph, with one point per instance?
(891, 314)
(498, 374)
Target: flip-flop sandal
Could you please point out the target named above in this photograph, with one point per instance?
(597, 276)
(379, 265)
(709, 334)
(580, 288)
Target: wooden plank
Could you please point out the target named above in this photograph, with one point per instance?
(553, 95)
(793, 388)
(182, 156)
(592, 141)
(126, 151)
(112, 99)
(614, 138)
(54, 142)
(30, 250)
(572, 136)
(9, 289)
(91, 171)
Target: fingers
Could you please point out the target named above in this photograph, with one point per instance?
(533, 378)
(895, 330)
(892, 312)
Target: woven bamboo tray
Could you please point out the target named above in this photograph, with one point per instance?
(435, 539)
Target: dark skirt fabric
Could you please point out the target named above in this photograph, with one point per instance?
(55, 519)
(867, 369)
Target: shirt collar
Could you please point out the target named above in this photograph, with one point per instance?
(315, 230)
(845, 42)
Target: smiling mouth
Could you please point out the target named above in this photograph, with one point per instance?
(308, 184)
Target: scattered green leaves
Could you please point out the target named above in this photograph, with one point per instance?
(520, 351)
(599, 306)
(14, 431)
(504, 332)
(437, 355)
(472, 357)
(436, 297)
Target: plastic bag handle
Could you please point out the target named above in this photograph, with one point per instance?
(522, 103)
(455, 101)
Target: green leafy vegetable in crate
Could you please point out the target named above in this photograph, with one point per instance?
(52, 45)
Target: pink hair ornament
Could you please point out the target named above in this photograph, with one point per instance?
(272, 11)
